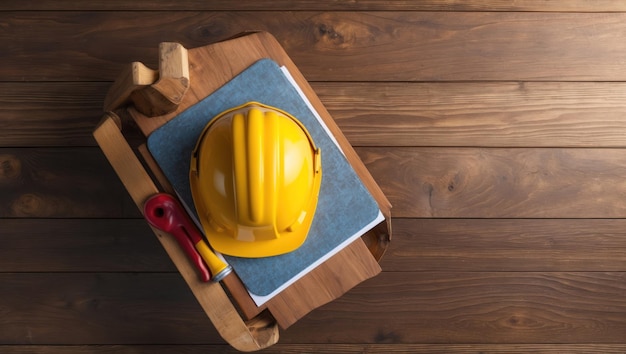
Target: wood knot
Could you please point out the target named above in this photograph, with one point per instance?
(212, 32)
(27, 205)
(10, 167)
(339, 35)
(387, 337)
(522, 321)
(330, 32)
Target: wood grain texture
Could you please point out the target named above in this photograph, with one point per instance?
(475, 307)
(84, 308)
(59, 182)
(330, 46)
(511, 114)
(500, 182)
(515, 114)
(80, 245)
(52, 114)
(323, 5)
(128, 245)
(510, 245)
(429, 307)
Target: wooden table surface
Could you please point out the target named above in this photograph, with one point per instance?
(496, 129)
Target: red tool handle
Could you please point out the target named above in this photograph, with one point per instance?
(165, 213)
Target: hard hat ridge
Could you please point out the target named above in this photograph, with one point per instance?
(255, 177)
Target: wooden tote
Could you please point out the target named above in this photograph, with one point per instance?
(150, 98)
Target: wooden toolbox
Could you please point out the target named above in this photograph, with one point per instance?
(150, 98)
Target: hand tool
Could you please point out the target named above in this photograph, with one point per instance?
(165, 213)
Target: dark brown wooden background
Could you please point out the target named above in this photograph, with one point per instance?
(497, 130)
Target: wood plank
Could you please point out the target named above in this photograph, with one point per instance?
(323, 5)
(420, 182)
(511, 245)
(101, 308)
(527, 114)
(443, 46)
(330, 46)
(50, 114)
(60, 182)
(323, 348)
(581, 114)
(80, 245)
(500, 182)
(128, 245)
(467, 307)
(395, 307)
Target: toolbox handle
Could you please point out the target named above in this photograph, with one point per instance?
(152, 92)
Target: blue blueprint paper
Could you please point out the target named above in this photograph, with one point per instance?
(345, 206)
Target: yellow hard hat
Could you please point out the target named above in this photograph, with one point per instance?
(255, 178)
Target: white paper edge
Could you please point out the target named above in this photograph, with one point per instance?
(260, 300)
(310, 106)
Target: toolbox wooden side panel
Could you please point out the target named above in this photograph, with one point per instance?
(261, 332)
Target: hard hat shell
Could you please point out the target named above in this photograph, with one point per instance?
(255, 178)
